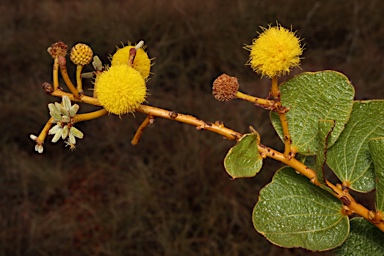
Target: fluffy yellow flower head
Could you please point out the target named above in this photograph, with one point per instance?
(141, 63)
(120, 89)
(275, 52)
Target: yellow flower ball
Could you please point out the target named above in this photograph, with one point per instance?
(275, 52)
(120, 89)
(141, 63)
(81, 54)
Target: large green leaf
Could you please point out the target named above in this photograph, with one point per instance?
(310, 97)
(244, 160)
(364, 239)
(376, 147)
(349, 157)
(292, 212)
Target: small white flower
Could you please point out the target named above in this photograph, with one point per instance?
(73, 110)
(38, 147)
(139, 45)
(54, 112)
(55, 129)
(57, 136)
(64, 134)
(76, 133)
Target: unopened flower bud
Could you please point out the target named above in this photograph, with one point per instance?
(81, 54)
(47, 87)
(225, 88)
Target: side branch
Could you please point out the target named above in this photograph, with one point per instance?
(147, 121)
(216, 127)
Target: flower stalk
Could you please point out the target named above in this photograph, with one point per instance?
(55, 74)
(44, 132)
(275, 93)
(79, 82)
(264, 103)
(67, 80)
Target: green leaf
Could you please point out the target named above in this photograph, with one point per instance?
(349, 157)
(310, 97)
(292, 212)
(376, 147)
(364, 239)
(244, 160)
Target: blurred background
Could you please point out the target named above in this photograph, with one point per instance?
(169, 195)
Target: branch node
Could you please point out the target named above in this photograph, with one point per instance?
(173, 114)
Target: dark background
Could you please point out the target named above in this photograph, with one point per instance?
(169, 195)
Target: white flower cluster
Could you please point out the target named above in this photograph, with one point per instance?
(62, 115)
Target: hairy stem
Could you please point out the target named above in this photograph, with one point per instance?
(67, 80)
(84, 98)
(55, 73)
(216, 127)
(275, 92)
(79, 82)
(89, 116)
(147, 121)
(293, 162)
(44, 132)
(267, 104)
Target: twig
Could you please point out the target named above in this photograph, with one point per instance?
(147, 121)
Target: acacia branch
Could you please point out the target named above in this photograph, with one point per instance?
(218, 127)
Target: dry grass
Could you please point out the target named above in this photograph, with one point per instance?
(169, 195)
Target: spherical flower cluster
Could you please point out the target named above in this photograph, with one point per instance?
(120, 89)
(275, 52)
(141, 63)
(225, 88)
(81, 54)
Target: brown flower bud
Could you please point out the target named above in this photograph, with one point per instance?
(47, 87)
(225, 88)
(58, 49)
